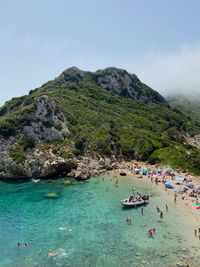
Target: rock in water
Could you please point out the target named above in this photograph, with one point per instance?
(67, 182)
(51, 195)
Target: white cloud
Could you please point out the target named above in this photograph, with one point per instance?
(177, 72)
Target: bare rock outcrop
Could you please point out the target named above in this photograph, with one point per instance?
(49, 124)
(192, 140)
(126, 84)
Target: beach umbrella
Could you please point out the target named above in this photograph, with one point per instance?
(144, 171)
(170, 169)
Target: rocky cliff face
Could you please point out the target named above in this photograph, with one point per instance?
(50, 125)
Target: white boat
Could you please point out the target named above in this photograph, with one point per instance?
(35, 180)
(134, 202)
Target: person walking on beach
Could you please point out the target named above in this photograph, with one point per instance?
(175, 199)
(195, 232)
(166, 206)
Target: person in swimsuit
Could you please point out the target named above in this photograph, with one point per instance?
(52, 254)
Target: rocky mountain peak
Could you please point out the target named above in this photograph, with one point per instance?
(72, 72)
(127, 84)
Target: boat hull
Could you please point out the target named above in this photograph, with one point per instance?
(128, 203)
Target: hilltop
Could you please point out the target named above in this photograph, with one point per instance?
(82, 122)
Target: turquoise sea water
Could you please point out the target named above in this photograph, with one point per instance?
(100, 235)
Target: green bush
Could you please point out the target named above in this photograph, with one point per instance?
(77, 152)
(27, 142)
(66, 154)
(7, 129)
(58, 126)
(17, 155)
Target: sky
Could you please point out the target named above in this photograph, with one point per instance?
(158, 40)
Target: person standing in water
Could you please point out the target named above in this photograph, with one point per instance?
(18, 245)
(166, 206)
(142, 211)
(150, 232)
(154, 229)
(161, 214)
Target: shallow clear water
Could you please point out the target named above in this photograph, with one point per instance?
(100, 235)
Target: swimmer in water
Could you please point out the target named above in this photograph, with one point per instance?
(158, 210)
(150, 232)
(154, 229)
(18, 245)
(26, 244)
(52, 254)
(128, 220)
(161, 214)
(142, 211)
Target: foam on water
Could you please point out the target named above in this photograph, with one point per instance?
(100, 235)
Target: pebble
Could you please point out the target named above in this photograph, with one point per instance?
(179, 264)
(162, 254)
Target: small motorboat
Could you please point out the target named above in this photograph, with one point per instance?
(135, 201)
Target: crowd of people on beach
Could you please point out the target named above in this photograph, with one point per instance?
(179, 183)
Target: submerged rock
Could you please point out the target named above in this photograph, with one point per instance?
(67, 182)
(51, 195)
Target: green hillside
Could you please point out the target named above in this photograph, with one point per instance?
(188, 104)
(105, 121)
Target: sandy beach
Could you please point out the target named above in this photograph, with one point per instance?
(183, 197)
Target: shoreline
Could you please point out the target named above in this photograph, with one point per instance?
(188, 202)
